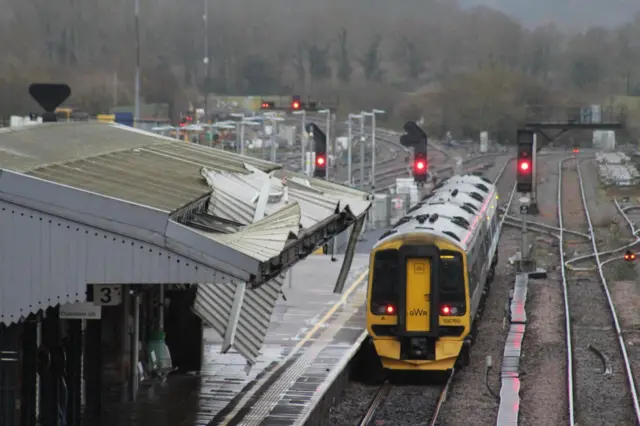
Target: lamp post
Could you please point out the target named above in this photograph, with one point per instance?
(303, 134)
(328, 112)
(136, 107)
(373, 145)
(349, 144)
(363, 139)
(205, 17)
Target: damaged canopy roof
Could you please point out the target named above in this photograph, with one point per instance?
(276, 220)
(153, 188)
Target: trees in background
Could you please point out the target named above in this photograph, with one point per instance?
(466, 70)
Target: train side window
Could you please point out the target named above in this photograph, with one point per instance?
(384, 288)
(451, 277)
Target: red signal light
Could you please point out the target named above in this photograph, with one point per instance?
(390, 310)
(295, 105)
(576, 150)
(420, 166)
(321, 161)
(525, 166)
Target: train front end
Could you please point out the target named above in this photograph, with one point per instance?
(417, 313)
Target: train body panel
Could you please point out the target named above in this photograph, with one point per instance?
(428, 276)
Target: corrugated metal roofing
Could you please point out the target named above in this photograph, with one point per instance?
(234, 196)
(213, 304)
(163, 176)
(118, 161)
(265, 239)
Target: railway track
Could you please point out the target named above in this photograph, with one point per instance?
(607, 395)
(428, 401)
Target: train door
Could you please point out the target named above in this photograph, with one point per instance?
(418, 295)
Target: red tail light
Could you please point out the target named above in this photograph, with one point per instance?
(390, 310)
(445, 310)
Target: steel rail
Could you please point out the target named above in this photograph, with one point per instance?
(380, 396)
(614, 315)
(441, 399)
(567, 310)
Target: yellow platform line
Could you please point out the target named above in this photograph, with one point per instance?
(296, 348)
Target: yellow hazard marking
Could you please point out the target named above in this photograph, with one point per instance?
(330, 312)
(305, 339)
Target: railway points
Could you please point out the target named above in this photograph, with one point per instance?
(590, 395)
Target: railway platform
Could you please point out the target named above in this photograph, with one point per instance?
(312, 336)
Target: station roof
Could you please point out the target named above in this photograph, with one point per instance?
(244, 218)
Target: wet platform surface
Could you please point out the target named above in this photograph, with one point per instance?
(312, 332)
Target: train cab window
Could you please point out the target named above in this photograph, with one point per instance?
(451, 278)
(384, 290)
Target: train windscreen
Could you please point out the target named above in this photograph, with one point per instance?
(385, 277)
(452, 288)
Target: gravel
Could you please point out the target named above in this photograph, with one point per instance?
(543, 362)
(351, 406)
(408, 406)
(599, 399)
(621, 281)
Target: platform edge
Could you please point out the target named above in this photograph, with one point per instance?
(330, 388)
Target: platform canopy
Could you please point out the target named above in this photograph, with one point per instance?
(94, 203)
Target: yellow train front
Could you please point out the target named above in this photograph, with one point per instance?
(428, 277)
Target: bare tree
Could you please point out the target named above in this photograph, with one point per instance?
(371, 60)
(344, 65)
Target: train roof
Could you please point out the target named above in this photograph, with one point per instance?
(450, 212)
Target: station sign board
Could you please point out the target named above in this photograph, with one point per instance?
(80, 310)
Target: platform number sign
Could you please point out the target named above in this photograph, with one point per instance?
(107, 295)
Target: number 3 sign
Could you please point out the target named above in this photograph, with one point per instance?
(107, 295)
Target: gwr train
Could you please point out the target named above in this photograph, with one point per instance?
(429, 276)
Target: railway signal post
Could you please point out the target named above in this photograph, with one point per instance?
(525, 263)
(417, 139)
(526, 173)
